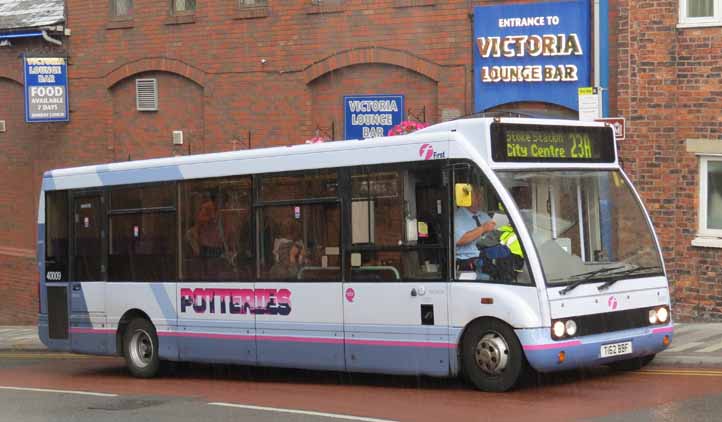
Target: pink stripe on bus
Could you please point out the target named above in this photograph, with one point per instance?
(552, 345)
(402, 343)
(662, 330)
(205, 335)
(322, 340)
(91, 331)
(302, 339)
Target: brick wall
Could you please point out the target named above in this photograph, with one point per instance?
(19, 285)
(670, 90)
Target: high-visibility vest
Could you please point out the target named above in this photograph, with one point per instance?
(510, 239)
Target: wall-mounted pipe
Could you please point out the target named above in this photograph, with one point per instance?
(49, 39)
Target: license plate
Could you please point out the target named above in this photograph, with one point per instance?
(616, 349)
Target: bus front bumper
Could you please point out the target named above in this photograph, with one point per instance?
(547, 355)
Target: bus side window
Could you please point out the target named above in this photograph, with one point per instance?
(299, 241)
(397, 229)
(143, 233)
(216, 230)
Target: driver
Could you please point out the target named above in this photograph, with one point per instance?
(469, 225)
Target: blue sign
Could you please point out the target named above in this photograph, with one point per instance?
(46, 89)
(371, 116)
(531, 52)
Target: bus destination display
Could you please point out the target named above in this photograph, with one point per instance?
(554, 144)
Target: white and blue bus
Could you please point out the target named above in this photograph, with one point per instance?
(348, 256)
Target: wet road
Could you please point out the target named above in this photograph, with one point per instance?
(57, 387)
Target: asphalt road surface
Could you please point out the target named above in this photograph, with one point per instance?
(58, 387)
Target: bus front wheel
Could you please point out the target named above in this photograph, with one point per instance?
(492, 356)
(140, 348)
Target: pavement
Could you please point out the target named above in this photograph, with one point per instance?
(694, 344)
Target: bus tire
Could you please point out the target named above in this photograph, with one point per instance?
(492, 357)
(632, 364)
(140, 348)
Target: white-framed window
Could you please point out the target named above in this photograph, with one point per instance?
(183, 6)
(252, 3)
(710, 196)
(121, 8)
(700, 13)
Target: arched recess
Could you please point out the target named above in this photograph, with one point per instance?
(18, 180)
(4, 74)
(371, 71)
(536, 109)
(149, 134)
(372, 55)
(156, 64)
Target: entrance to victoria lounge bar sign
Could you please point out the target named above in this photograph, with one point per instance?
(537, 52)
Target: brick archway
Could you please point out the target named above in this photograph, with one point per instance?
(157, 64)
(372, 55)
(11, 77)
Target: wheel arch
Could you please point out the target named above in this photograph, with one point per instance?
(125, 320)
(465, 331)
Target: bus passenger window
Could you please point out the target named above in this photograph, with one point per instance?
(143, 234)
(300, 242)
(397, 229)
(216, 230)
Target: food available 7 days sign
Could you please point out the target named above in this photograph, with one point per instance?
(46, 89)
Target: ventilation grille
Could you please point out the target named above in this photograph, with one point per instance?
(146, 94)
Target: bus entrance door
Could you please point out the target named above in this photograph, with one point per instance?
(87, 290)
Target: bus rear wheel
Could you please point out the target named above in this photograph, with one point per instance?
(492, 357)
(140, 348)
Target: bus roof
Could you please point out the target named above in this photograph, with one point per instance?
(286, 158)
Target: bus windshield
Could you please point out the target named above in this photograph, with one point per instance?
(586, 225)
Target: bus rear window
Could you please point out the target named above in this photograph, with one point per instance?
(56, 236)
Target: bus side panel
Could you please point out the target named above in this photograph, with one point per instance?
(517, 306)
(308, 332)
(210, 328)
(156, 300)
(88, 330)
(400, 328)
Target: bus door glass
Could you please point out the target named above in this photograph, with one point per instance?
(395, 298)
(55, 295)
(87, 288)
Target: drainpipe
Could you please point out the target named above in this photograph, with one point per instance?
(49, 39)
(597, 52)
(601, 53)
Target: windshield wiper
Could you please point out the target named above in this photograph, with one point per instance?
(586, 277)
(620, 275)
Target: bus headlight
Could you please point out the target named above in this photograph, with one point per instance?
(662, 314)
(558, 329)
(571, 328)
(652, 316)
